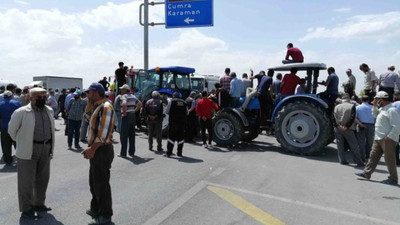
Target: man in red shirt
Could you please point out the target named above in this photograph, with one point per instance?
(294, 53)
(289, 83)
(204, 111)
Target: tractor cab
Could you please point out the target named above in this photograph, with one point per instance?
(164, 80)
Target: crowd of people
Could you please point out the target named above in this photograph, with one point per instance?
(369, 126)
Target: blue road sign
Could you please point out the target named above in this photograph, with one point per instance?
(189, 13)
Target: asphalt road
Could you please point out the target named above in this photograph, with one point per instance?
(249, 184)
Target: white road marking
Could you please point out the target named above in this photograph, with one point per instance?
(175, 205)
(217, 172)
(310, 205)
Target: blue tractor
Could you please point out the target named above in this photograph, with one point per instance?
(301, 122)
(164, 80)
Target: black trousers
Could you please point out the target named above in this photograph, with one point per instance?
(207, 124)
(176, 132)
(99, 181)
(266, 107)
(6, 146)
(191, 127)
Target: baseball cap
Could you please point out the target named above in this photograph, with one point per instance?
(125, 87)
(97, 87)
(381, 94)
(8, 94)
(78, 92)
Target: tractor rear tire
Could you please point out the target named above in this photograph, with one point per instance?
(302, 127)
(227, 129)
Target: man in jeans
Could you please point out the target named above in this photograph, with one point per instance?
(76, 109)
(204, 110)
(130, 105)
(366, 127)
(387, 131)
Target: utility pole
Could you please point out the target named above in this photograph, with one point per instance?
(146, 34)
(146, 25)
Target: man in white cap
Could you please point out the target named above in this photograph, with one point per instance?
(388, 80)
(387, 131)
(32, 127)
(130, 105)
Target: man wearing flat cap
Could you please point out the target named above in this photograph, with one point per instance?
(101, 154)
(345, 126)
(32, 127)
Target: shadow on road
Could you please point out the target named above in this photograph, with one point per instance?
(47, 219)
(138, 160)
(186, 159)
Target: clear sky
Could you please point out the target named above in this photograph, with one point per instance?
(88, 38)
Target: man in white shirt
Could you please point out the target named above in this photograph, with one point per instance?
(387, 131)
(370, 81)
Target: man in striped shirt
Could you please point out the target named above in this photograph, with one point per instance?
(101, 154)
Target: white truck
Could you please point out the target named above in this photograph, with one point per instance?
(56, 82)
(204, 82)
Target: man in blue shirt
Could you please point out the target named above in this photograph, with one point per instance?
(7, 107)
(365, 127)
(235, 90)
(332, 89)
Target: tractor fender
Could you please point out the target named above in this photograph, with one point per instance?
(302, 97)
(238, 113)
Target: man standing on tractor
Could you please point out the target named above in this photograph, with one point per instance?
(225, 81)
(370, 81)
(332, 89)
(120, 75)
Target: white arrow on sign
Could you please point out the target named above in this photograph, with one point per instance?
(188, 20)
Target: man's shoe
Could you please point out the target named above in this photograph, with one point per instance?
(344, 163)
(122, 156)
(363, 175)
(41, 208)
(360, 164)
(91, 213)
(166, 155)
(389, 181)
(30, 215)
(179, 155)
(84, 141)
(78, 147)
(69, 147)
(160, 149)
